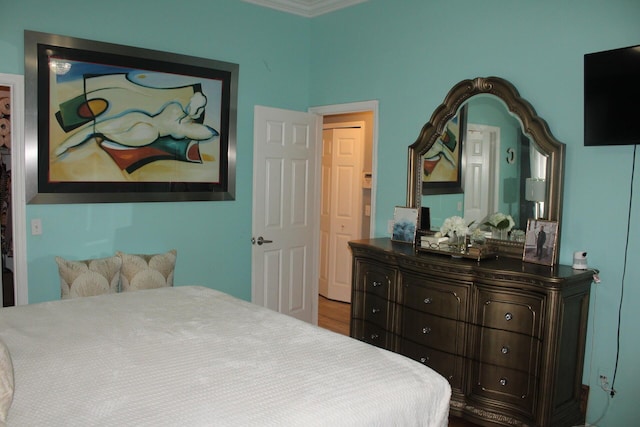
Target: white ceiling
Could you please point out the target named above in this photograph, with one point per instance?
(307, 8)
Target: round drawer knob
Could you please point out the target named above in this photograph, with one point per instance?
(375, 310)
(508, 316)
(424, 359)
(504, 350)
(374, 336)
(503, 382)
(376, 284)
(426, 330)
(428, 300)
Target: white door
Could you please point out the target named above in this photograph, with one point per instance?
(341, 209)
(284, 250)
(481, 146)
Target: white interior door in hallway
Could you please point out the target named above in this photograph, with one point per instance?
(482, 171)
(285, 210)
(341, 208)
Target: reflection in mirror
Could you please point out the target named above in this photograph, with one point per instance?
(502, 169)
(509, 160)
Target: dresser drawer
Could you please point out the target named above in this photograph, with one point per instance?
(448, 365)
(375, 279)
(506, 386)
(509, 350)
(433, 331)
(372, 308)
(376, 310)
(510, 312)
(447, 300)
(370, 333)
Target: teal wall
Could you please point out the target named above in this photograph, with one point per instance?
(407, 56)
(212, 238)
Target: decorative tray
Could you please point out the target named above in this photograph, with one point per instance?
(472, 253)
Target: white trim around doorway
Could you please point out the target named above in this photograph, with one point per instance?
(18, 192)
(356, 107)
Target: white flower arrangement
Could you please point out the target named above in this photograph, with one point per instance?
(500, 221)
(477, 234)
(454, 224)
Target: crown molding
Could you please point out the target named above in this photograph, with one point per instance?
(306, 8)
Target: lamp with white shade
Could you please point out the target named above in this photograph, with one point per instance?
(536, 191)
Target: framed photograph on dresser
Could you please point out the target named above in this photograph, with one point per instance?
(540, 244)
(405, 222)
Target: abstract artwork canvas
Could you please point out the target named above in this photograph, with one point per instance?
(442, 163)
(118, 123)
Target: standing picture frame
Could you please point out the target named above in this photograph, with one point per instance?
(442, 163)
(540, 246)
(405, 223)
(113, 123)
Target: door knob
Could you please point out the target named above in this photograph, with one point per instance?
(260, 240)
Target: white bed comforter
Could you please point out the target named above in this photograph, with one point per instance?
(192, 356)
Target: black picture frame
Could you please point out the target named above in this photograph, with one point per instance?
(442, 165)
(126, 124)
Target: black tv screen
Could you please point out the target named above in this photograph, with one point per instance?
(612, 97)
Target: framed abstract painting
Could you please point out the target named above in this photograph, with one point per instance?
(442, 163)
(112, 123)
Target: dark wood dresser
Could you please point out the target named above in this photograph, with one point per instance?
(508, 335)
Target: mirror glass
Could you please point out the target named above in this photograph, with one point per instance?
(509, 162)
(499, 164)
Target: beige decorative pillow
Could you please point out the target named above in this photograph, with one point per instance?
(147, 271)
(6, 381)
(89, 277)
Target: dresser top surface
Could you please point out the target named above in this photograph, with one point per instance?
(509, 265)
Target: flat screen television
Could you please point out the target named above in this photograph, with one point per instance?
(612, 97)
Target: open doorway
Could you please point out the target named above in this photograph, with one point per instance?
(351, 129)
(15, 289)
(269, 291)
(6, 199)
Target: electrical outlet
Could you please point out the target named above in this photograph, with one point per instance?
(602, 374)
(604, 382)
(36, 227)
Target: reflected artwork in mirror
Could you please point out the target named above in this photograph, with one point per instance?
(510, 162)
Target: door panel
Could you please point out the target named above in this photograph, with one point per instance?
(480, 148)
(325, 212)
(284, 267)
(342, 218)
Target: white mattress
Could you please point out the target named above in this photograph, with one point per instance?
(192, 356)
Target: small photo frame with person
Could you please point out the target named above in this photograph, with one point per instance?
(540, 246)
(405, 222)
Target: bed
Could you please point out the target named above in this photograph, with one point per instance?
(193, 356)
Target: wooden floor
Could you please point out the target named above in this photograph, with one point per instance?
(335, 315)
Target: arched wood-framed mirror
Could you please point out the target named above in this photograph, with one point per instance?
(533, 127)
